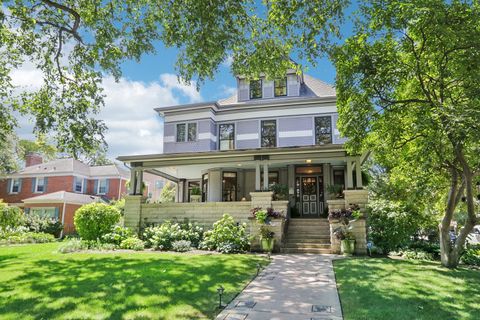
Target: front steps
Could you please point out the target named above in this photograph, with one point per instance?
(307, 236)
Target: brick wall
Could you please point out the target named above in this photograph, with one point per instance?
(54, 184)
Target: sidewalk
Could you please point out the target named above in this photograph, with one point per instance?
(292, 287)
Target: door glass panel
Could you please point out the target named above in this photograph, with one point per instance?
(308, 170)
(229, 186)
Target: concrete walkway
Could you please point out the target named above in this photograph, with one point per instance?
(292, 287)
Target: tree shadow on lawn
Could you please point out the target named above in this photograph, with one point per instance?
(182, 287)
(406, 289)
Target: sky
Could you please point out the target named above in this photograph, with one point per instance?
(133, 126)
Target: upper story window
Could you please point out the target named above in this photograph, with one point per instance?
(102, 186)
(280, 87)
(323, 130)
(78, 184)
(186, 132)
(226, 136)
(39, 185)
(255, 89)
(269, 133)
(14, 185)
(159, 184)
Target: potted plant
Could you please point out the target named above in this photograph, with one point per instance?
(280, 191)
(267, 239)
(264, 216)
(344, 231)
(195, 194)
(336, 190)
(347, 239)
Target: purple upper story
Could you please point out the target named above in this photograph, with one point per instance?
(294, 111)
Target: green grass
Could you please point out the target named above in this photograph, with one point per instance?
(36, 282)
(401, 289)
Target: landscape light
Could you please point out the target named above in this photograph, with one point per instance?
(220, 291)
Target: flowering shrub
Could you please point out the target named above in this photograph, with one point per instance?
(10, 216)
(163, 236)
(36, 223)
(117, 235)
(94, 220)
(132, 243)
(227, 236)
(181, 246)
(28, 237)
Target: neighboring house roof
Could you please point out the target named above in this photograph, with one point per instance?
(310, 88)
(64, 196)
(73, 167)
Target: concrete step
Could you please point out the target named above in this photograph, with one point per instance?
(307, 246)
(303, 235)
(309, 222)
(321, 230)
(306, 241)
(306, 250)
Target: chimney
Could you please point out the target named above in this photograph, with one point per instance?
(33, 159)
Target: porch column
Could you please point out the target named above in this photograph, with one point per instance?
(349, 173)
(133, 182)
(265, 176)
(257, 175)
(139, 182)
(358, 171)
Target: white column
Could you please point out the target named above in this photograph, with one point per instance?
(140, 182)
(349, 173)
(265, 176)
(257, 176)
(358, 171)
(133, 182)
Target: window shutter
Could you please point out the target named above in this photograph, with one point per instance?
(20, 185)
(107, 185)
(27, 210)
(45, 184)
(85, 185)
(95, 186)
(9, 185)
(56, 213)
(33, 184)
(243, 90)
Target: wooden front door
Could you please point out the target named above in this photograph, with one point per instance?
(311, 196)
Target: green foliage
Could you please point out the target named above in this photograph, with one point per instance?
(181, 246)
(266, 233)
(72, 245)
(132, 243)
(280, 191)
(393, 225)
(27, 237)
(471, 255)
(410, 254)
(195, 191)
(92, 221)
(226, 236)
(168, 193)
(117, 235)
(40, 146)
(120, 205)
(163, 236)
(261, 216)
(49, 225)
(11, 216)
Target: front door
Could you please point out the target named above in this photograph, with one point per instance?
(311, 196)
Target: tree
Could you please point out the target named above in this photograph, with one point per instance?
(40, 146)
(408, 89)
(168, 193)
(73, 43)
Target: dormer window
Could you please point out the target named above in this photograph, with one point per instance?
(187, 132)
(280, 87)
(255, 89)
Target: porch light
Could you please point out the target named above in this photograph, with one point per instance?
(220, 291)
(308, 161)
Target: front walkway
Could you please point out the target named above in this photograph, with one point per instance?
(292, 287)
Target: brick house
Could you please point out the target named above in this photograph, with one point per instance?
(58, 188)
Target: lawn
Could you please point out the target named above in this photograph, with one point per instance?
(36, 282)
(401, 289)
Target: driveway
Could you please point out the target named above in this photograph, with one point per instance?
(292, 287)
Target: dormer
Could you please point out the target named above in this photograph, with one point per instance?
(289, 86)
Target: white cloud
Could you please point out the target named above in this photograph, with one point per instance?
(227, 91)
(228, 62)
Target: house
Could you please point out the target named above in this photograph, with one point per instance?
(271, 132)
(58, 188)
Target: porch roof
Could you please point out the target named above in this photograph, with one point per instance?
(236, 156)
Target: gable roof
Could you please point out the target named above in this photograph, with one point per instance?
(64, 196)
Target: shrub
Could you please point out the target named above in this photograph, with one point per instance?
(28, 237)
(38, 223)
(11, 216)
(416, 255)
(99, 245)
(132, 243)
(163, 236)
(181, 246)
(471, 255)
(94, 220)
(226, 236)
(72, 245)
(117, 235)
(393, 225)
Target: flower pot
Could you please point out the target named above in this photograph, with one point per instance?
(267, 244)
(195, 198)
(347, 247)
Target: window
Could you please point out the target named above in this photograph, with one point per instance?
(78, 184)
(269, 133)
(186, 132)
(193, 185)
(205, 187)
(15, 186)
(159, 184)
(39, 185)
(102, 186)
(255, 89)
(323, 130)
(280, 87)
(227, 136)
(308, 170)
(272, 179)
(51, 213)
(229, 186)
(339, 177)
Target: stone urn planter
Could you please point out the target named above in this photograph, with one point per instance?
(347, 247)
(195, 198)
(267, 244)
